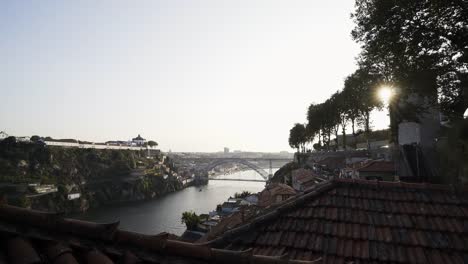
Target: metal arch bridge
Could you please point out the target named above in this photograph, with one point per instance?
(265, 175)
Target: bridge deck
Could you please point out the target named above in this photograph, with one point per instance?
(233, 179)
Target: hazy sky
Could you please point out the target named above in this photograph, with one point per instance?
(192, 75)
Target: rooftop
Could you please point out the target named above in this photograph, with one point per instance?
(268, 195)
(138, 138)
(339, 221)
(301, 173)
(28, 236)
(358, 221)
(378, 166)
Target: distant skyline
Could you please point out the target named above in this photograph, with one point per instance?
(192, 75)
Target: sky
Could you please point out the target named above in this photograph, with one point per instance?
(191, 75)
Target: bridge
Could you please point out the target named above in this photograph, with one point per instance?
(219, 161)
(204, 164)
(265, 175)
(233, 179)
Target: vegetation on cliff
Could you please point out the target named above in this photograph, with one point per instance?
(100, 176)
(36, 163)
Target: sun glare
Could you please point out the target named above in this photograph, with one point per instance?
(385, 94)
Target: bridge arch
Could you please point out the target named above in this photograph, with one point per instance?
(254, 167)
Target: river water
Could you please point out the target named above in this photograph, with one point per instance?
(164, 214)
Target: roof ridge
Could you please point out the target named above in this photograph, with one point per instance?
(406, 185)
(273, 212)
(109, 234)
(365, 165)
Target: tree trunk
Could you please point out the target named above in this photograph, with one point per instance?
(367, 117)
(336, 128)
(344, 136)
(320, 137)
(367, 128)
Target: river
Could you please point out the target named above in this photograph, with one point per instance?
(163, 214)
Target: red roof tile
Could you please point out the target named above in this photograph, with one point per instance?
(378, 166)
(360, 221)
(28, 236)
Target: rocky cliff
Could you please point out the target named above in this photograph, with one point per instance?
(51, 178)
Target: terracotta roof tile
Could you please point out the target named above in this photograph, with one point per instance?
(343, 221)
(365, 221)
(57, 253)
(96, 257)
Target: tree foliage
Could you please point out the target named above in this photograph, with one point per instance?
(243, 194)
(190, 219)
(420, 46)
(297, 137)
(152, 143)
(351, 105)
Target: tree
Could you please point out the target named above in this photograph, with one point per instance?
(9, 141)
(243, 194)
(360, 89)
(35, 138)
(152, 143)
(190, 219)
(317, 146)
(315, 122)
(420, 46)
(297, 137)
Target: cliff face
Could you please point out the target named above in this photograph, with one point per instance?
(97, 176)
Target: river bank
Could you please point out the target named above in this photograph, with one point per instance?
(164, 214)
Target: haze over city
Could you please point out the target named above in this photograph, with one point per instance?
(192, 75)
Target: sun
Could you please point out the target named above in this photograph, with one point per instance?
(385, 94)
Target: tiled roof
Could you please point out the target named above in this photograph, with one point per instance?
(301, 173)
(358, 221)
(268, 195)
(378, 166)
(28, 236)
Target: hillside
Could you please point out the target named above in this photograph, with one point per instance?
(99, 176)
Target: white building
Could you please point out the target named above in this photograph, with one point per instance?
(139, 141)
(23, 139)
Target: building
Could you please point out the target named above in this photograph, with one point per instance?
(370, 170)
(332, 163)
(373, 144)
(23, 139)
(275, 193)
(139, 141)
(226, 150)
(302, 179)
(377, 170)
(231, 206)
(252, 199)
